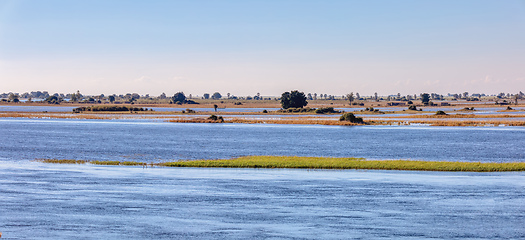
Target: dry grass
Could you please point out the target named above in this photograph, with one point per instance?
(63, 161)
(470, 123)
(462, 116)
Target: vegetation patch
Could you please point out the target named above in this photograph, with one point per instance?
(108, 109)
(63, 161)
(319, 163)
(297, 110)
(350, 117)
(348, 163)
(326, 110)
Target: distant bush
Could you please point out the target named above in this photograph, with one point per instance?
(264, 111)
(412, 107)
(108, 109)
(297, 110)
(326, 110)
(350, 117)
(441, 113)
(216, 118)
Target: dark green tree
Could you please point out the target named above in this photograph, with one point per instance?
(206, 96)
(216, 95)
(179, 98)
(293, 99)
(425, 98)
(112, 99)
(53, 99)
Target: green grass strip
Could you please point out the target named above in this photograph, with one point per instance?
(348, 163)
(322, 163)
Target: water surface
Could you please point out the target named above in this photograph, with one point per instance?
(46, 201)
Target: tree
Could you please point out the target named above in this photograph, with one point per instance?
(216, 95)
(350, 97)
(215, 107)
(53, 100)
(179, 98)
(425, 98)
(162, 96)
(111, 98)
(206, 96)
(13, 97)
(375, 97)
(294, 99)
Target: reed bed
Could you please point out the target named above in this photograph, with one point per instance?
(306, 121)
(96, 162)
(470, 123)
(348, 163)
(462, 116)
(318, 163)
(55, 116)
(63, 161)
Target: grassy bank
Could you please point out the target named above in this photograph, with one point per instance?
(322, 163)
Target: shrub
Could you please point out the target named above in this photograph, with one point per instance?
(441, 113)
(350, 117)
(326, 110)
(412, 107)
(264, 111)
(108, 109)
(216, 118)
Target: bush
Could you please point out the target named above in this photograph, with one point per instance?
(297, 110)
(216, 118)
(441, 113)
(264, 111)
(108, 109)
(351, 118)
(326, 110)
(412, 107)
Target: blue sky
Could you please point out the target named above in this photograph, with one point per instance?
(245, 47)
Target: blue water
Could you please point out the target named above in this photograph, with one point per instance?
(49, 201)
(45, 201)
(141, 140)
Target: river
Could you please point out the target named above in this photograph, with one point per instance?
(53, 201)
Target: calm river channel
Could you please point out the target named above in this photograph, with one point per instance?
(48, 201)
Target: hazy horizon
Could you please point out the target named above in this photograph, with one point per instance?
(266, 47)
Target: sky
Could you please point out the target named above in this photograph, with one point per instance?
(268, 46)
